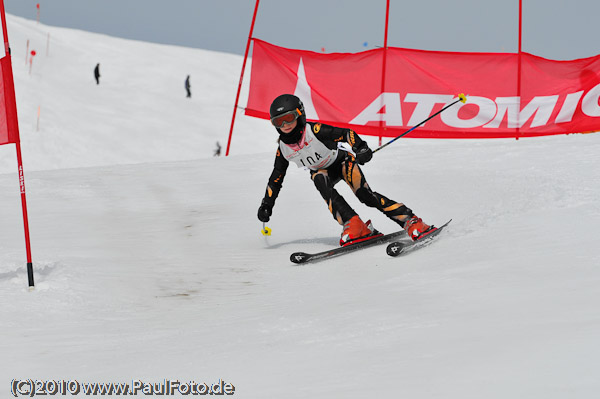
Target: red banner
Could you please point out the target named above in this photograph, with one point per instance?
(343, 89)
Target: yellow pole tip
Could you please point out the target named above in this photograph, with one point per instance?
(462, 97)
(266, 231)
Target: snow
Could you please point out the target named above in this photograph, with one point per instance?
(150, 265)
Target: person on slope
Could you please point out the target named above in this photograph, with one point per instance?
(97, 73)
(316, 146)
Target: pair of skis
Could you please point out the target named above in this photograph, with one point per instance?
(395, 248)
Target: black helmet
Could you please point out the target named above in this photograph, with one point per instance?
(286, 103)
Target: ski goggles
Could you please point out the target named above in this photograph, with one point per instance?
(286, 118)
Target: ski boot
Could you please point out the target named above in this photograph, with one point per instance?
(355, 230)
(417, 229)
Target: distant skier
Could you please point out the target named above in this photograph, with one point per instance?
(97, 73)
(315, 146)
(188, 87)
(218, 150)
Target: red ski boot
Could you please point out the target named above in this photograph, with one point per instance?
(354, 230)
(417, 229)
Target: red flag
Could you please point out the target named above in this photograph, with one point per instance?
(9, 127)
(344, 89)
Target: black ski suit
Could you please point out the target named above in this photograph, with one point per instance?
(343, 167)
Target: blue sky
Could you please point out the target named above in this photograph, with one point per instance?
(556, 29)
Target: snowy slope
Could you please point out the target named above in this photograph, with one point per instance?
(150, 264)
(148, 117)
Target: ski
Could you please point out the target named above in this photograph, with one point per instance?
(398, 248)
(303, 257)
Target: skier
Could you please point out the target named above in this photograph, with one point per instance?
(315, 146)
(97, 73)
(188, 87)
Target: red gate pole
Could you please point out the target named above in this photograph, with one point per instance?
(385, 46)
(13, 127)
(519, 60)
(25, 218)
(237, 97)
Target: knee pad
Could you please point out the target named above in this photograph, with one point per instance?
(368, 197)
(320, 180)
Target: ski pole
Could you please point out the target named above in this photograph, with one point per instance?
(461, 98)
(266, 231)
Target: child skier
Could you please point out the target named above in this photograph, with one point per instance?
(315, 146)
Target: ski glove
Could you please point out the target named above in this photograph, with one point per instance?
(363, 154)
(264, 212)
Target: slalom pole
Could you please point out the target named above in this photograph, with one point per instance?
(266, 231)
(239, 90)
(461, 98)
(12, 123)
(25, 218)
